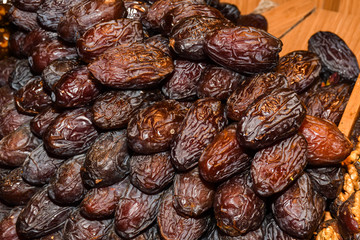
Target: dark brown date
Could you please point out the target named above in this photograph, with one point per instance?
(103, 36)
(100, 203)
(4, 209)
(299, 210)
(32, 98)
(24, 20)
(27, 5)
(46, 52)
(76, 88)
(274, 117)
(15, 147)
(272, 231)
(335, 55)
(41, 121)
(253, 235)
(39, 167)
(150, 233)
(223, 157)
(244, 49)
(54, 71)
(35, 37)
(301, 69)
(136, 9)
(86, 14)
(348, 214)
(253, 20)
(151, 173)
(14, 190)
(134, 66)
(328, 181)
(70, 133)
(6, 95)
(327, 145)
(237, 208)
(175, 226)
(8, 225)
(182, 83)
(41, 216)
(192, 195)
(79, 228)
(187, 38)
(7, 66)
(135, 212)
(113, 109)
(250, 90)
(161, 43)
(16, 41)
(152, 129)
(218, 82)
(107, 160)
(204, 120)
(21, 74)
(229, 11)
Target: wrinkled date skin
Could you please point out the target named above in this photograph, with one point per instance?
(250, 90)
(135, 212)
(15, 147)
(348, 214)
(136, 9)
(272, 230)
(204, 120)
(276, 167)
(182, 83)
(66, 187)
(192, 195)
(160, 42)
(150, 233)
(272, 118)
(41, 121)
(244, 49)
(86, 14)
(237, 208)
(301, 69)
(223, 157)
(8, 225)
(6, 95)
(299, 210)
(78, 228)
(27, 5)
(218, 82)
(335, 55)
(328, 181)
(70, 133)
(105, 35)
(107, 160)
(41, 216)
(230, 11)
(113, 109)
(21, 74)
(175, 226)
(7, 66)
(75, 88)
(151, 173)
(327, 145)
(253, 20)
(24, 20)
(14, 190)
(39, 167)
(16, 41)
(31, 98)
(100, 203)
(153, 128)
(35, 37)
(134, 66)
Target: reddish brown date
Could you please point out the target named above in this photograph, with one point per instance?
(182, 83)
(272, 118)
(134, 66)
(327, 145)
(299, 210)
(22, 19)
(276, 167)
(105, 35)
(237, 208)
(66, 187)
(272, 230)
(6, 95)
(113, 109)
(76, 88)
(175, 226)
(152, 129)
(70, 133)
(8, 225)
(253, 20)
(7, 65)
(223, 157)
(107, 160)
(250, 90)
(16, 41)
(244, 49)
(41, 121)
(160, 42)
(204, 120)
(27, 5)
(35, 37)
(86, 14)
(151, 173)
(150, 233)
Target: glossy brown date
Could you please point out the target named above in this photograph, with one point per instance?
(327, 145)
(27, 5)
(107, 160)
(135, 66)
(35, 37)
(6, 95)
(41, 121)
(8, 225)
(272, 230)
(152, 129)
(229, 11)
(204, 120)
(7, 65)
(244, 49)
(24, 20)
(103, 36)
(223, 157)
(16, 41)
(20, 75)
(70, 133)
(160, 42)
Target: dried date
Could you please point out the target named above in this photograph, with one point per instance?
(24, 20)
(136, 9)
(20, 75)
(7, 66)
(230, 11)
(253, 20)
(41, 121)
(161, 43)
(27, 5)
(8, 225)
(6, 95)
(273, 231)
(16, 41)
(35, 37)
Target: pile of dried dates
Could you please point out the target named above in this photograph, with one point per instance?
(174, 120)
